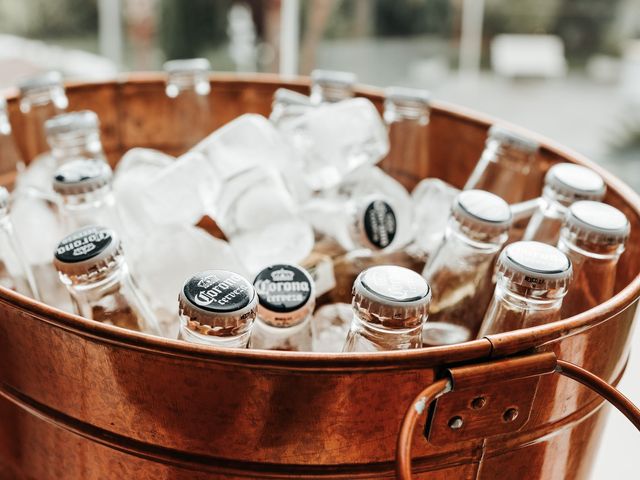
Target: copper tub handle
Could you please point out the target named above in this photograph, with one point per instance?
(420, 404)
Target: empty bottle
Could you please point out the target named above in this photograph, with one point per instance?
(564, 184)
(406, 113)
(92, 266)
(11, 159)
(287, 105)
(532, 280)
(41, 97)
(86, 196)
(593, 237)
(505, 165)
(71, 136)
(330, 86)
(390, 307)
(286, 299)
(461, 272)
(188, 89)
(15, 271)
(217, 308)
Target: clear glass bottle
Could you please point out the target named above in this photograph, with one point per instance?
(15, 271)
(286, 299)
(461, 272)
(10, 158)
(86, 196)
(217, 308)
(564, 184)
(505, 165)
(188, 89)
(390, 307)
(41, 97)
(71, 136)
(288, 105)
(532, 280)
(92, 266)
(330, 86)
(406, 113)
(593, 237)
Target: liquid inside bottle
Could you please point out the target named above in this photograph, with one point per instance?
(593, 237)
(532, 280)
(406, 113)
(505, 165)
(92, 266)
(10, 158)
(188, 89)
(286, 299)
(329, 86)
(217, 308)
(15, 271)
(41, 98)
(390, 306)
(86, 196)
(461, 272)
(564, 184)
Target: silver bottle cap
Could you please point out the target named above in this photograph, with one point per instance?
(514, 139)
(88, 253)
(40, 82)
(72, 123)
(535, 265)
(482, 212)
(597, 222)
(81, 176)
(419, 97)
(187, 65)
(218, 303)
(286, 295)
(391, 296)
(575, 182)
(375, 223)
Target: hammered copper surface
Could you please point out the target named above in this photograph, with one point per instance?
(91, 401)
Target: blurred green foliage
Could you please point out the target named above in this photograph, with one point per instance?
(413, 17)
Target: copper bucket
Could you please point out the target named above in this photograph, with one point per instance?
(81, 400)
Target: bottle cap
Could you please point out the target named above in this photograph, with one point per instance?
(286, 295)
(81, 176)
(535, 265)
(333, 78)
(375, 224)
(482, 212)
(88, 253)
(575, 182)
(187, 65)
(391, 296)
(514, 139)
(419, 97)
(72, 123)
(218, 303)
(4, 198)
(40, 82)
(597, 222)
(288, 97)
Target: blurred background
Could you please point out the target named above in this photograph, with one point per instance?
(568, 69)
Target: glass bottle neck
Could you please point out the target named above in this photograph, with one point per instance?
(52, 97)
(405, 112)
(330, 93)
(508, 156)
(467, 238)
(581, 249)
(85, 145)
(180, 83)
(367, 336)
(91, 208)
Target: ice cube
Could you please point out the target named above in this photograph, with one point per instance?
(39, 173)
(333, 140)
(432, 200)
(286, 241)
(330, 326)
(249, 142)
(171, 255)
